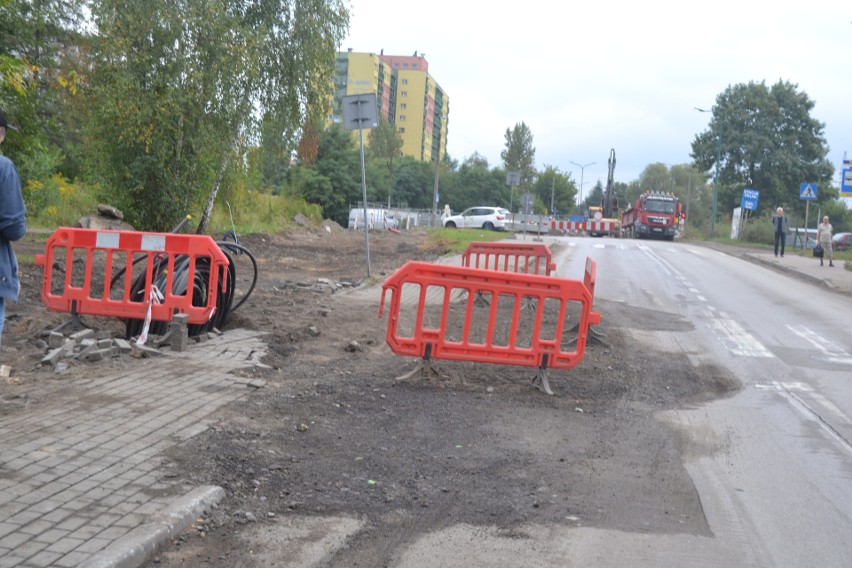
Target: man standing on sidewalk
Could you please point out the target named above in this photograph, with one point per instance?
(13, 225)
(824, 233)
(779, 222)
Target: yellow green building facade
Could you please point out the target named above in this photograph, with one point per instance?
(406, 95)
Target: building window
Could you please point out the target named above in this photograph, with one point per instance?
(405, 81)
(402, 118)
(402, 130)
(404, 93)
(403, 106)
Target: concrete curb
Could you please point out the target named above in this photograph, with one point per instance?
(133, 549)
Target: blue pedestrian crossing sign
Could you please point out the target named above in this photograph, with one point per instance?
(808, 192)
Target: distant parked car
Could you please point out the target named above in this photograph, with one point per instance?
(489, 218)
(842, 241)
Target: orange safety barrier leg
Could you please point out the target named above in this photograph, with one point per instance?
(75, 323)
(540, 380)
(424, 369)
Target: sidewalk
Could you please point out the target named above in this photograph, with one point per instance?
(807, 268)
(83, 480)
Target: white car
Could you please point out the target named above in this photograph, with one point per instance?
(488, 218)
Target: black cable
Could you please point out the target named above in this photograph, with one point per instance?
(225, 289)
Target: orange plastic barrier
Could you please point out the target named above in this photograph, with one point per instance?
(428, 319)
(529, 258)
(76, 260)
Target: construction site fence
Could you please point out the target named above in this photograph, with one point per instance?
(408, 219)
(98, 272)
(529, 258)
(478, 315)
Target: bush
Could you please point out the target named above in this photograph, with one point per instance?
(253, 212)
(758, 230)
(56, 202)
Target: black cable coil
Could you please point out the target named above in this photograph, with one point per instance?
(224, 291)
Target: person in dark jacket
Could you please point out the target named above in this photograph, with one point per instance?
(13, 225)
(779, 223)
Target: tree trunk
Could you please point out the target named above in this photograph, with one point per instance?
(208, 210)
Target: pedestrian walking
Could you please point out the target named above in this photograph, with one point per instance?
(824, 234)
(13, 225)
(779, 223)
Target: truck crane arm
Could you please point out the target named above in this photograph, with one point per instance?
(609, 197)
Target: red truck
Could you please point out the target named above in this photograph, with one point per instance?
(654, 215)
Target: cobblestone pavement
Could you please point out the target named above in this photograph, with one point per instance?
(81, 482)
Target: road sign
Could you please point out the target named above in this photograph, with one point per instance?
(846, 183)
(749, 199)
(513, 178)
(359, 111)
(808, 192)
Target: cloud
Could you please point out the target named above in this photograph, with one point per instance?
(626, 75)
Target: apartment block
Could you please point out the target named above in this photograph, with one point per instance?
(406, 94)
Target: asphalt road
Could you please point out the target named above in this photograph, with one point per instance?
(776, 477)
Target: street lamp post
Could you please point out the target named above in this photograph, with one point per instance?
(552, 188)
(582, 171)
(715, 176)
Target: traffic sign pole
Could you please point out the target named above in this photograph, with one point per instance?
(805, 240)
(808, 192)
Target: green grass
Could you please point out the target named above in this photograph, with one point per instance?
(457, 240)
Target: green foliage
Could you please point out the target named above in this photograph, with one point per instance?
(594, 198)
(260, 213)
(56, 202)
(758, 230)
(766, 140)
(519, 154)
(180, 88)
(335, 180)
(556, 186)
(385, 143)
(414, 183)
(474, 183)
(36, 81)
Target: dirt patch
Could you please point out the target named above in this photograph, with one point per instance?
(334, 435)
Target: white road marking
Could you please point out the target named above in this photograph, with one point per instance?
(738, 340)
(778, 386)
(831, 352)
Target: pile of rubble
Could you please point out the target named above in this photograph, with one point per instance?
(322, 285)
(90, 345)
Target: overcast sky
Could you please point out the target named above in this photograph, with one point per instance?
(589, 76)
